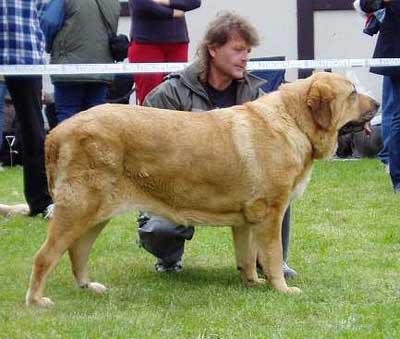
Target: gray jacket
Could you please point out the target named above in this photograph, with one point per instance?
(183, 91)
(84, 37)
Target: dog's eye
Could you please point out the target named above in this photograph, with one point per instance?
(353, 93)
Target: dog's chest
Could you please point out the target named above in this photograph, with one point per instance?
(301, 186)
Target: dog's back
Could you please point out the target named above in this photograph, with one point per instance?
(146, 155)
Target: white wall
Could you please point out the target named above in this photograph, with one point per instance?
(338, 34)
(269, 19)
(275, 21)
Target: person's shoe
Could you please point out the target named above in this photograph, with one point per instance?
(288, 272)
(48, 212)
(162, 266)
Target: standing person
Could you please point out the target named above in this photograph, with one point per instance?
(158, 34)
(217, 79)
(2, 109)
(387, 114)
(22, 43)
(83, 38)
(371, 10)
(388, 46)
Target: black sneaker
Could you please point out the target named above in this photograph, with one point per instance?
(288, 272)
(162, 266)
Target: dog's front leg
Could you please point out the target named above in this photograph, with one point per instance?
(246, 255)
(267, 236)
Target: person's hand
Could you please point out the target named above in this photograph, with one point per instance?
(162, 2)
(367, 128)
(178, 13)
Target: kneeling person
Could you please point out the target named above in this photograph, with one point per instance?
(217, 79)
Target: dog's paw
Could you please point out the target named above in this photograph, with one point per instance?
(96, 287)
(254, 282)
(41, 302)
(293, 290)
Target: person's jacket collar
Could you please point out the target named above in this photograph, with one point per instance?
(190, 78)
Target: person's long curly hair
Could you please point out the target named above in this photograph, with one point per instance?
(218, 33)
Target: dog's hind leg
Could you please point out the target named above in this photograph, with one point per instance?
(67, 226)
(45, 260)
(79, 253)
(246, 255)
(267, 237)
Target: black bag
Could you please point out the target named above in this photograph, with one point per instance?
(119, 46)
(118, 43)
(372, 26)
(121, 88)
(369, 6)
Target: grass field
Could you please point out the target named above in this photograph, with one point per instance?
(345, 245)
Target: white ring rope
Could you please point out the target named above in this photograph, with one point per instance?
(120, 68)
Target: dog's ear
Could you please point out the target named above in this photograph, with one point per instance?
(319, 98)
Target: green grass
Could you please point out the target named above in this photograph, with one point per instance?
(345, 244)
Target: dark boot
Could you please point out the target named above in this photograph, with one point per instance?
(164, 240)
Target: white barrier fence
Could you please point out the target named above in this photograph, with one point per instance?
(120, 68)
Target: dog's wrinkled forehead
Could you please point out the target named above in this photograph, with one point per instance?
(338, 82)
(351, 75)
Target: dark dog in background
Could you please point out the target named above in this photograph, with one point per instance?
(353, 142)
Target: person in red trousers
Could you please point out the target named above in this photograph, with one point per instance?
(158, 34)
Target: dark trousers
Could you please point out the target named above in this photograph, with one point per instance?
(387, 115)
(72, 98)
(394, 138)
(154, 52)
(26, 92)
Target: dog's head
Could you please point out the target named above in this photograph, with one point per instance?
(334, 102)
(322, 104)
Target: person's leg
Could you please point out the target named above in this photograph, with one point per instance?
(394, 141)
(387, 114)
(67, 99)
(95, 94)
(141, 53)
(50, 112)
(287, 271)
(2, 109)
(164, 239)
(26, 94)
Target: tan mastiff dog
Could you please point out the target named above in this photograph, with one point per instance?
(236, 166)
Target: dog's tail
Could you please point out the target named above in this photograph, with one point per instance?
(52, 149)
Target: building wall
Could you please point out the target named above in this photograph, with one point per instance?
(269, 19)
(338, 34)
